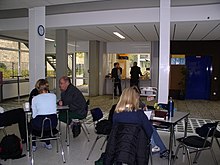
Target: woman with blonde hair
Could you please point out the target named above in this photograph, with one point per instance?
(128, 111)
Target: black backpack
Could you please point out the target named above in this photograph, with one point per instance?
(103, 127)
(76, 128)
(11, 147)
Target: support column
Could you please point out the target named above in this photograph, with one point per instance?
(36, 45)
(94, 68)
(102, 66)
(154, 63)
(164, 55)
(61, 56)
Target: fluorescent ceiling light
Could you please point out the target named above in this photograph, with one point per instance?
(119, 35)
(48, 39)
(73, 45)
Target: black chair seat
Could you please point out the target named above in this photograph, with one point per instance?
(217, 134)
(194, 141)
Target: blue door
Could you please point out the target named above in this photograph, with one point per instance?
(198, 79)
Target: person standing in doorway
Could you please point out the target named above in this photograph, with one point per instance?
(135, 72)
(116, 75)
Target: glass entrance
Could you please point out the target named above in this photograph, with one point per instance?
(81, 73)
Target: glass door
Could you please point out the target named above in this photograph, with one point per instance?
(81, 73)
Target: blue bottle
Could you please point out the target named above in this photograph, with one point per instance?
(170, 107)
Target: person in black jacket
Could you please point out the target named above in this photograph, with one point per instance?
(135, 72)
(34, 91)
(128, 111)
(73, 97)
(116, 75)
(14, 116)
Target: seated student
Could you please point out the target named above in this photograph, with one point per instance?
(73, 97)
(15, 116)
(128, 111)
(34, 91)
(43, 105)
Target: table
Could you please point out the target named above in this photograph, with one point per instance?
(178, 116)
(28, 113)
(65, 108)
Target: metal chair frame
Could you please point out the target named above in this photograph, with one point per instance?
(198, 151)
(42, 138)
(97, 138)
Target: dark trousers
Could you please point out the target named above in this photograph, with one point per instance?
(117, 85)
(36, 126)
(15, 116)
(134, 83)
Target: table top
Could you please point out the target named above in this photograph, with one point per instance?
(58, 108)
(178, 116)
(64, 107)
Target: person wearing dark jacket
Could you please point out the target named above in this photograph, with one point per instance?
(14, 116)
(135, 72)
(73, 97)
(116, 75)
(127, 143)
(127, 112)
(35, 91)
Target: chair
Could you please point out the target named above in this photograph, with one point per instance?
(197, 144)
(97, 115)
(47, 132)
(201, 132)
(3, 129)
(82, 121)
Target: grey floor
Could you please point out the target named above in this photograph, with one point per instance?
(79, 147)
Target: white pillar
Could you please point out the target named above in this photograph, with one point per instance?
(36, 45)
(164, 55)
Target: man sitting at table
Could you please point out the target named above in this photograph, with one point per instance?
(14, 116)
(43, 105)
(73, 97)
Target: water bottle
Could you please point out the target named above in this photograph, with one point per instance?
(170, 107)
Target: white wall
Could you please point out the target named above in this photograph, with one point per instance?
(11, 90)
(128, 47)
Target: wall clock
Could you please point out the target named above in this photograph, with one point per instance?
(41, 30)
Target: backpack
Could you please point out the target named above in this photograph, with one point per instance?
(76, 128)
(11, 147)
(103, 127)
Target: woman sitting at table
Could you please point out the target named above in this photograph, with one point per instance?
(128, 111)
(43, 105)
(34, 91)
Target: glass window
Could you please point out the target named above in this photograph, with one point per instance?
(24, 47)
(24, 63)
(9, 63)
(143, 60)
(8, 44)
(13, 61)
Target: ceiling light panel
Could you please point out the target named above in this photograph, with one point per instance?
(202, 29)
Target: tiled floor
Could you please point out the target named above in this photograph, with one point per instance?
(79, 147)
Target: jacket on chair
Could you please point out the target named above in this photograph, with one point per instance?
(127, 143)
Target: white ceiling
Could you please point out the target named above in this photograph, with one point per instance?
(209, 30)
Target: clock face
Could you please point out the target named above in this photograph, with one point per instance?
(41, 30)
